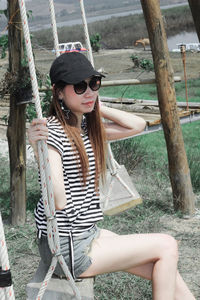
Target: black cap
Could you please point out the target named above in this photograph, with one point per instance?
(72, 68)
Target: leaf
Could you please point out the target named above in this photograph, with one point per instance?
(4, 12)
(29, 14)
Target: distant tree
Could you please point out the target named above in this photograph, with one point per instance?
(195, 9)
(3, 38)
(3, 45)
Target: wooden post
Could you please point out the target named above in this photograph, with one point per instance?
(179, 172)
(17, 120)
(195, 9)
(183, 55)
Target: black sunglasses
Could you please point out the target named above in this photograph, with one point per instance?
(94, 84)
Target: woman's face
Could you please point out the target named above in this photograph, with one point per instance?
(79, 104)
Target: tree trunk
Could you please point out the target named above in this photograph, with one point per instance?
(179, 172)
(195, 9)
(17, 121)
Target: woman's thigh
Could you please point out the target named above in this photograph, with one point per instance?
(112, 252)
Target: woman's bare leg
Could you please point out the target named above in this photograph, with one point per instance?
(151, 256)
(182, 291)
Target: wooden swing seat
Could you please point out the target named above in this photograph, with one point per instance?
(58, 289)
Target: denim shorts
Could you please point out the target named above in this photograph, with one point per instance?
(81, 247)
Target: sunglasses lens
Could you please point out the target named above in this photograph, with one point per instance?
(80, 87)
(95, 83)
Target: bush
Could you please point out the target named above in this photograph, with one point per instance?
(146, 64)
(95, 42)
(143, 63)
(128, 152)
(45, 102)
(3, 45)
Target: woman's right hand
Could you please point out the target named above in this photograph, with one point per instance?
(37, 131)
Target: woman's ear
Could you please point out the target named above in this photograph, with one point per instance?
(60, 95)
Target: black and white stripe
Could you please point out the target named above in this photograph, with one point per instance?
(83, 206)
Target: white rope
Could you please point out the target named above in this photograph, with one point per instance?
(2, 294)
(47, 190)
(6, 293)
(54, 27)
(86, 32)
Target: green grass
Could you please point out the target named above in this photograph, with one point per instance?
(149, 153)
(4, 191)
(148, 92)
(191, 133)
(32, 185)
(33, 192)
(145, 92)
(193, 88)
(23, 254)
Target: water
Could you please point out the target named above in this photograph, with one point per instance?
(184, 37)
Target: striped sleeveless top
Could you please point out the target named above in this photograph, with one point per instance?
(82, 210)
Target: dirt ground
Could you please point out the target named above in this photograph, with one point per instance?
(24, 256)
(187, 233)
(117, 65)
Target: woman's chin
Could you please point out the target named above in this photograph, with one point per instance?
(88, 108)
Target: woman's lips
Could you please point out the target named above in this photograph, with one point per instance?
(89, 103)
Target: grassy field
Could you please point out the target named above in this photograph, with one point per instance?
(147, 153)
(148, 92)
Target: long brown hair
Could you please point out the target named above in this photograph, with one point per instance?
(95, 130)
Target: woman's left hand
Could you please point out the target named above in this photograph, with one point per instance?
(37, 131)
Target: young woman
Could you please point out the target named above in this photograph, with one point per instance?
(76, 138)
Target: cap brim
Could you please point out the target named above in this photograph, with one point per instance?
(76, 77)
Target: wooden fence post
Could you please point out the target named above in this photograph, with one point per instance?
(179, 172)
(195, 9)
(17, 120)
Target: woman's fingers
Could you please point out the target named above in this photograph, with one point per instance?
(39, 121)
(37, 130)
(33, 138)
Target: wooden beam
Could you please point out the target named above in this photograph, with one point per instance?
(183, 196)
(144, 102)
(17, 120)
(123, 82)
(133, 81)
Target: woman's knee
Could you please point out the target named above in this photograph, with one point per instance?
(169, 246)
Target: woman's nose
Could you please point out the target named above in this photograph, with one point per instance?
(88, 91)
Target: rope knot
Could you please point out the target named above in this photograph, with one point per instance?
(51, 217)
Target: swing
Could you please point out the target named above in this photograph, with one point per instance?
(118, 194)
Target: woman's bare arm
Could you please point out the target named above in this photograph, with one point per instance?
(39, 131)
(122, 124)
(57, 178)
